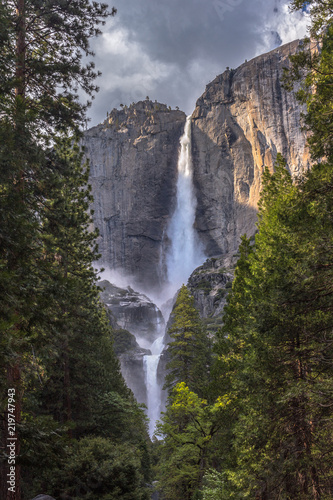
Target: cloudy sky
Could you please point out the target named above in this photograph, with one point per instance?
(170, 49)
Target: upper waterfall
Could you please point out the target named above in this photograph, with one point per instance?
(185, 253)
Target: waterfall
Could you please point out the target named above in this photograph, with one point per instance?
(150, 364)
(185, 253)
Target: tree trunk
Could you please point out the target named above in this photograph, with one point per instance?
(20, 50)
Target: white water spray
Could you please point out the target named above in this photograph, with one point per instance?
(185, 253)
(150, 364)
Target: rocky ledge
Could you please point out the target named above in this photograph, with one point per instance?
(210, 284)
(136, 323)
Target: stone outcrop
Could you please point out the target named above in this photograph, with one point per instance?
(243, 119)
(133, 311)
(43, 497)
(209, 284)
(136, 322)
(133, 168)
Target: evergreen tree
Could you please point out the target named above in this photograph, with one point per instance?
(98, 469)
(188, 426)
(56, 349)
(43, 45)
(190, 422)
(278, 359)
(311, 75)
(79, 384)
(189, 350)
(275, 349)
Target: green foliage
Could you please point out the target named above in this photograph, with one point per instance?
(95, 468)
(56, 343)
(41, 63)
(312, 69)
(205, 286)
(188, 426)
(275, 349)
(214, 487)
(123, 340)
(79, 380)
(190, 350)
(190, 421)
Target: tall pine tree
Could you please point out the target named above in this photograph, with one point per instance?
(190, 349)
(50, 312)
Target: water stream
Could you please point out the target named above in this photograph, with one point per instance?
(150, 364)
(184, 255)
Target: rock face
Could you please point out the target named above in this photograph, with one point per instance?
(43, 497)
(209, 284)
(243, 119)
(137, 322)
(133, 311)
(133, 167)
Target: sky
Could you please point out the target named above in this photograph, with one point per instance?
(169, 50)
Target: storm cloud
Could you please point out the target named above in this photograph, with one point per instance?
(169, 50)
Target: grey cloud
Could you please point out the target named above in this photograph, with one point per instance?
(170, 49)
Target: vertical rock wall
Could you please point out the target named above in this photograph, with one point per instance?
(133, 167)
(243, 119)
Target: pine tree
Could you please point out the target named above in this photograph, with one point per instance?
(46, 41)
(41, 44)
(188, 427)
(276, 360)
(78, 380)
(311, 75)
(189, 351)
(190, 422)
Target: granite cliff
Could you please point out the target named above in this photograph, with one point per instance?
(240, 123)
(133, 168)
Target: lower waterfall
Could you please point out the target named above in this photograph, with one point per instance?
(150, 364)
